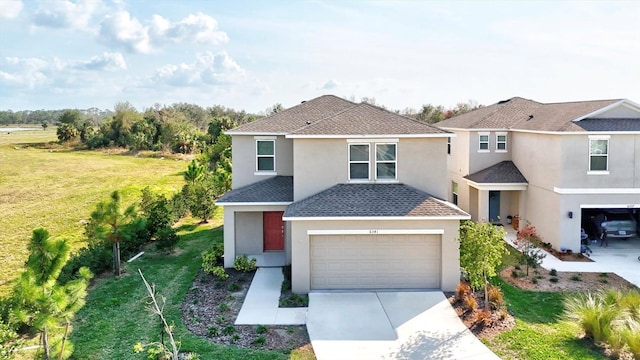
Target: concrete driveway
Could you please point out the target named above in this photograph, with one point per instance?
(389, 325)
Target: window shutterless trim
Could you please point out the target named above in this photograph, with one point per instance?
(394, 162)
(480, 142)
(273, 156)
(368, 162)
(498, 142)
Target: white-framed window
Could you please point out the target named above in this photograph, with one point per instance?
(501, 142)
(358, 161)
(386, 160)
(599, 154)
(454, 192)
(449, 146)
(265, 155)
(483, 142)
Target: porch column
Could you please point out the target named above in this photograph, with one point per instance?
(522, 208)
(483, 205)
(229, 236)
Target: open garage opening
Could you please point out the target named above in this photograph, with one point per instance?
(622, 224)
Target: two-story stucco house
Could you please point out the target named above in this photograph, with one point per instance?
(351, 195)
(546, 163)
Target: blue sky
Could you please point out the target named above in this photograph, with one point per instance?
(251, 54)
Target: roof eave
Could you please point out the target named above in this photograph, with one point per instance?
(231, 203)
(607, 108)
(369, 218)
(367, 136)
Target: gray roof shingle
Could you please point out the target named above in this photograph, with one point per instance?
(523, 114)
(278, 189)
(372, 200)
(367, 119)
(296, 117)
(610, 124)
(331, 115)
(505, 172)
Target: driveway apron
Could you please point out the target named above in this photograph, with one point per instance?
(389, 325)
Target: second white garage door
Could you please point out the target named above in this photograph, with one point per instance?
(375, 261)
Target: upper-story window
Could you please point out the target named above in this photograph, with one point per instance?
(265, 155)
(358, 161)
(501, 142)
(454, 192)
(598, 154)
(449, 145)
(483, 142)
(385, 161)
(373, 161)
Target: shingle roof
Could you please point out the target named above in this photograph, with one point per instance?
(524, 114)
(372, 200)
(272, 190)
(331, 115)
(610, 124)
(505, 172)
(366, 119)
(296, 117)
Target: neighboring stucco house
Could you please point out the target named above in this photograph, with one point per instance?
(351, 195)
(546, 163)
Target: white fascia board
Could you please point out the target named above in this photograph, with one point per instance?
(253, 204)
(497, 186)
(475, 130)
(583, 133)
(253, 133)
(368, 136)
(596, 191)
(610, 206)
(623, 102)
(378, 232)
(376, 218)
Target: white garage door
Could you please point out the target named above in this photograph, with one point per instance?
(375, 261)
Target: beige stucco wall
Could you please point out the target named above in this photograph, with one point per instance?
(239, 231)
(482, 160)
(624, 163)
(244, 159)
(538, 157)
(300, 265)
(322, 163)
(249, 230)
(458, 160)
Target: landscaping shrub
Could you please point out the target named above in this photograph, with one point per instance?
(219, 272)
(483, 317)
(554, 279)
(10, 341)
(495, 297)
(553, 272)
(214, 331)
(609, 317)
(259, 341)
(261, 329)
(166, 238)
(242, 263)
(96, 256)
(463, 290)
(228, 330)
(213, 258)
(470, 303)
(576, 277)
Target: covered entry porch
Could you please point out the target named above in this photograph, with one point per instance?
(497, 194)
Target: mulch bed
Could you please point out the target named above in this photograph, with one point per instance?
(212, 305)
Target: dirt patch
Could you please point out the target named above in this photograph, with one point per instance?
(543, 280)
(212, 305)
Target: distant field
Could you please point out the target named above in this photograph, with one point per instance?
(43, 185)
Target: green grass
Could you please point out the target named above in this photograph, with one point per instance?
(539, 332)
(45, 185)
(115, 318)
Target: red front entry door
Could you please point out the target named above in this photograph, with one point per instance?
(273, 230)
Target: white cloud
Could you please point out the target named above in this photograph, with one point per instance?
(65, 14)
(107, 61)
(24, 73)
(330, 85)
(208, 69)
(121, 29)
(10, 9)
(199, 28)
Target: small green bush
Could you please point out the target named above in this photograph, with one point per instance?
(235, 338)
(212, 258)
(242, 263)
(553, 272)
(229, 330)
(261, 329)
(576, 277)
(166, 238)
(259, 341)
(534, 280)
(214, 331)
(219, 272)
(221, 319)
(554, 279)
(233, 287)
(223, 307)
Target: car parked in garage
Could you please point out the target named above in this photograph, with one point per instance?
(621, 224)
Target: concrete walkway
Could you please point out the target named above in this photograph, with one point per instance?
(260, 306)
(389, 325)
(620, 257)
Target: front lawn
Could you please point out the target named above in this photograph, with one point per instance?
(115, 318)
